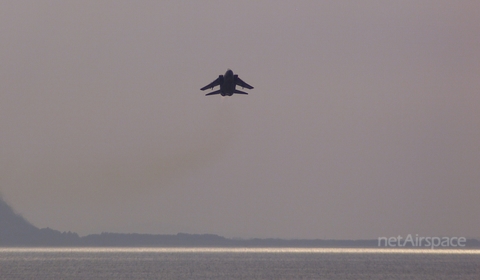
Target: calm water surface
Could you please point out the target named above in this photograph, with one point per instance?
(237, 263)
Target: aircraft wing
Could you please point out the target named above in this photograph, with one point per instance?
(241, 83)
(213, 84)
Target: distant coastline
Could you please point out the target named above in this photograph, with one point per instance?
(15, 231)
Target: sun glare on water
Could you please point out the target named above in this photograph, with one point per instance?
(246, 250)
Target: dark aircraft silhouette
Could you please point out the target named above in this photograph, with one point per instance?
(227, 84)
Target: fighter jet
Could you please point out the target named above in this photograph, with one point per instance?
(227, 84)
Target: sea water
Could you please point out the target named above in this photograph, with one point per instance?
(237, 263)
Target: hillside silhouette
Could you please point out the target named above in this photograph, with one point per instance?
(15, 231)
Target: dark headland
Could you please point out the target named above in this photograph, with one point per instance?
(15, 231)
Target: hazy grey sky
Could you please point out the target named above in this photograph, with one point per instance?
(364, 120)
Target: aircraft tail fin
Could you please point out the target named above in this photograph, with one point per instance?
(213, 92)
(239, 92)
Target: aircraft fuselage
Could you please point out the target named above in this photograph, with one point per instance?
(228, 85)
